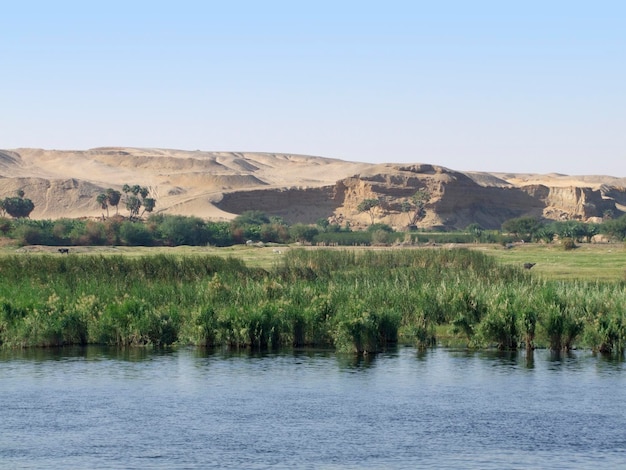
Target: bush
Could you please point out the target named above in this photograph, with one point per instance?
(379, 226)
(303, 233)
(29, 235)
(568, 244)
(177, 230)
(220, 234)
(135, 234)
(343, 238)
(381, 237)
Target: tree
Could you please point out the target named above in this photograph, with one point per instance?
(136, 198)
(303, 232)
(571, 229)
(103, 200)
(148, 205)
(546, 233)
(414, 207)
(251, 217)
(476, 230)
(181, 230)
(524, 228)
(110, 197)
(380, 226)
(368, 205)
(590, 231)
(113, 197)
(249, 225)
(135, 234)
(322, 223)
(615, 228)
(133, 204)
(18, 207)
(5, 225)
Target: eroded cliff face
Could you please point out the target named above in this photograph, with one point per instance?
(565, 203)
(304, 205)
(456, 199)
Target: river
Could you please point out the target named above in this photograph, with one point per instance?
(190, 408)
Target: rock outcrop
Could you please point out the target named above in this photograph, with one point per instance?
(457, 199)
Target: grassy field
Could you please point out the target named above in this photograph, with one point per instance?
(589, 262)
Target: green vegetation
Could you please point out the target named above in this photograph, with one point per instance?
(17, 206)
(356, 300)
(368, 205)
(255, 226)
(530, 229)
(352, 300)
(414, 207)
(136, 197)
(111, 197)
(605, 262)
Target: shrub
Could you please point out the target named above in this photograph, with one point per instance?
(303, 233)
(381, 237)
(135, 234)
(29, 235)
(177, 230)
(568, 244)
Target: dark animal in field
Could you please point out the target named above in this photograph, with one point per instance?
(64, 251)
(529, 265)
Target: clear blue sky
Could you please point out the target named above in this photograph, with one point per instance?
(520, 86)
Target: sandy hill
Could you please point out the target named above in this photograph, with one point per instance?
(300, 188)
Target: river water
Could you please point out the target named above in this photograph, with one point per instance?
(188, 408)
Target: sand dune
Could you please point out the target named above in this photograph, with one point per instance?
(184, 182)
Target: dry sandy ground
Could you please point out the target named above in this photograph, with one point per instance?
(64, 183)
(184, 182)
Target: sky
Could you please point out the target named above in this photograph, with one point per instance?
(501, 86)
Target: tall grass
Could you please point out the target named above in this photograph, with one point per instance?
(354, 301)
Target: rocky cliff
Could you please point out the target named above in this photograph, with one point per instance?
(457, 199)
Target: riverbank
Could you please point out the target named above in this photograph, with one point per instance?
(352, 300)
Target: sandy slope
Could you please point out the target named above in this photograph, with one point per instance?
(183, 182)
(64, 183)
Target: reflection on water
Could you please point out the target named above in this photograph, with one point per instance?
(197, 408)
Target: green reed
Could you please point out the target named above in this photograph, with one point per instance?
(355, 301)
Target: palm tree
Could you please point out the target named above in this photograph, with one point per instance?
(103, 201)
(114, 197)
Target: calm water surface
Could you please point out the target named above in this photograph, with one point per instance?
(99, 408)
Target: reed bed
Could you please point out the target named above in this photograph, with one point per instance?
(355, 301)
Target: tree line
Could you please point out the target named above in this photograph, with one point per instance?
(256, 227)
(532, 229)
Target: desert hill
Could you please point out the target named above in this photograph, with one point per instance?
(300, 188)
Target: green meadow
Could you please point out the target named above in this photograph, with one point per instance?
(587, 262)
